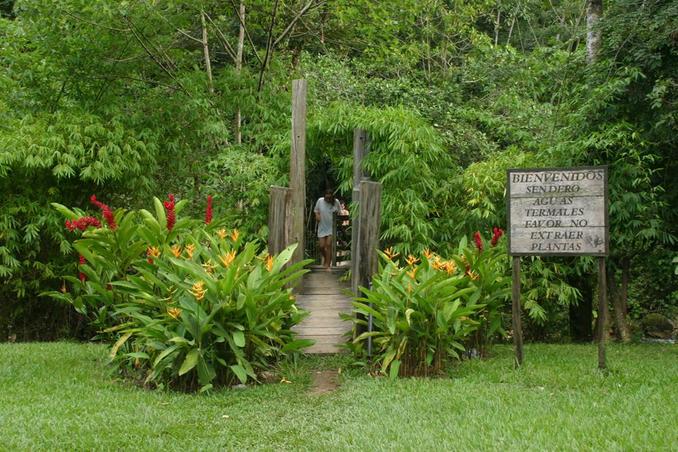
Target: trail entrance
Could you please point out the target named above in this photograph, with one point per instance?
(324, 293)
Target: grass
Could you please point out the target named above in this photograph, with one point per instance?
(61, 396)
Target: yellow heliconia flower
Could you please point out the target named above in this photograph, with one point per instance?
(198, 290)
(221, 233)
(208, 266)
(269, 263)
(152, 251)
(176, 250)
(235, 234)
(190, 249)
(227, 258)
(473, 275)
(174, 312)
(412, 273)
(390, 253)
(428, 254)
(450, 267)
(411, 260)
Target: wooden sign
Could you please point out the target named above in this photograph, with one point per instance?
(555, 212)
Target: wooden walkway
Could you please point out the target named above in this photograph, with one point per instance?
(323, 295)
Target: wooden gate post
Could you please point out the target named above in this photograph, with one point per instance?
(515, 313)
(360, 149)
(297, 170)
(277, 219)
(370, 219)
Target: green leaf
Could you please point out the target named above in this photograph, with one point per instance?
(190, 361)
(239, 338)
(119, 343)
(395, 367)
(239, 372)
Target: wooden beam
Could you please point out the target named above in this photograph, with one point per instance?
(515, 311)
(360, 149)
(602, 313)
(297, 169)
(370, 220)
(279, 197)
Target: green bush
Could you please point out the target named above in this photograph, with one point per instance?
(188, 305)
(424, 309)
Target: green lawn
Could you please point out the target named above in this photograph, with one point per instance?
(61, 396)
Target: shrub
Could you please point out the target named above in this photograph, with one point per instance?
(188, 304)
(425, 308)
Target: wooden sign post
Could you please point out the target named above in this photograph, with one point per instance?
(558, 212)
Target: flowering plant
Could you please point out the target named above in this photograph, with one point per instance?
(187, 304)
(422, 310)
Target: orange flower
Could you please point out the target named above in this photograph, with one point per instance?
(174, 312)
(152, 251)
(412, 273)
(221, 233)
(176, 250)
(269, 263)
(235, 234)
(190, 249)
(428, 254)
(450, 267)
(390, 253)
(227, 258)
(411, 260)
(198, 290)
(473, 275)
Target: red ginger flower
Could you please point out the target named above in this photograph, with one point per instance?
(82, 223)
(105, 211)
(479, 240)
(171, 215)
(208, 212)
(498, 232)
(81, 275)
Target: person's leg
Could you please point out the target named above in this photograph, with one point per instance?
(321, 247)
(328, 251)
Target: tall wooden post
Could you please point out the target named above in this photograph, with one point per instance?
(360, 149)
(515, 313)
(297, 199)
(370, 220)
(602, 312)
(277, 218)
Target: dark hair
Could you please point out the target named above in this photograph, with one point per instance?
(329, 190)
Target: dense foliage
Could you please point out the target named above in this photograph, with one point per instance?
(127, 99)
(421, 311)
(186, 304)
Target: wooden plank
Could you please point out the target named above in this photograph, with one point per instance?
(323, 299)
(325, 348)
(322, 315)
(557, 182)
(297, 169)
(360, 149)
(370, 219)
(321, 330)
(515, 313)
(276, 219)
(602, 313)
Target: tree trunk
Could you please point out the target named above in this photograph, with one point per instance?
(238, 68)
(206, 51)
(581, 315)
(622, 330)
(621, 306)
(594, 11)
